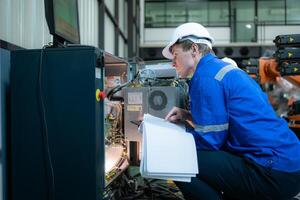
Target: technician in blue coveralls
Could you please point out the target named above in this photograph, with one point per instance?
(244, 150)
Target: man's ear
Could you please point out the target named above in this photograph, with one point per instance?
(195, 49)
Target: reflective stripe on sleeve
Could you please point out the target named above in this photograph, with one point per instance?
(220, 75)
(211, 128)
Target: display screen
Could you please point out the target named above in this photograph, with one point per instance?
(66, 20)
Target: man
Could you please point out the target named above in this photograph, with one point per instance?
(244, 150)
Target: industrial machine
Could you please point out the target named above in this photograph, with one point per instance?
(57, 132)
(68, 138)
(58, 139)
(65, 140)
(74, 113)
(4, 119)
(251, 67)
(280, 77)
(288, 58)
(116, 159)
(156, 89)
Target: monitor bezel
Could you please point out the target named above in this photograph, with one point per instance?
(59, 38)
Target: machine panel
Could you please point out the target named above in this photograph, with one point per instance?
(57, 138)
(157, 101)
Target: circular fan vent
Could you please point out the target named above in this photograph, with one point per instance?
(158, 100)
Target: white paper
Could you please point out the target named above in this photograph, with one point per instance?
(168, 151)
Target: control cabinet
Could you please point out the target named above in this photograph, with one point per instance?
(56, 141)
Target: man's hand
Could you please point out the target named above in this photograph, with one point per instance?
(178, 114)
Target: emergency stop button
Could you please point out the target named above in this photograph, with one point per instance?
(100, 95)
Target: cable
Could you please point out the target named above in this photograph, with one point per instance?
(46, 149)
(116, 89)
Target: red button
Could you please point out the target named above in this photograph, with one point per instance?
(101, 95)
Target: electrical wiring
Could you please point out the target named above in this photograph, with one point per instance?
(46, 148)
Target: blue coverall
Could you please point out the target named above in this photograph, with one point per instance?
(245, 151)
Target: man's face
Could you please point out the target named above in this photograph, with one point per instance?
(183, 61)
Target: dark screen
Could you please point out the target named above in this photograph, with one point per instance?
(66, 20)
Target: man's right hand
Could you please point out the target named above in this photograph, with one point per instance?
(178, 115)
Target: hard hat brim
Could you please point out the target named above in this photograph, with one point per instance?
(166, 51)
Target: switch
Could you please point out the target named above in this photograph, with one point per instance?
(100, 95)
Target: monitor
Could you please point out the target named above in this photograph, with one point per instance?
(63, 21)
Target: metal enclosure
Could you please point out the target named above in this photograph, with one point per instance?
(4, 118)
(157, 101)
(56, 144)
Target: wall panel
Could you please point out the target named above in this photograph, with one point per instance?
(23, 23)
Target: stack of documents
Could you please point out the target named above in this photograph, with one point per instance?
(168, 151)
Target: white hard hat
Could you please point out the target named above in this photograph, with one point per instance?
(191, 31)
